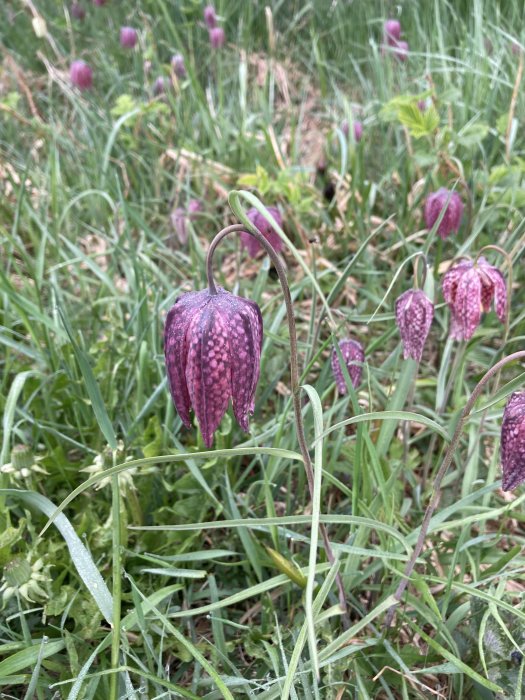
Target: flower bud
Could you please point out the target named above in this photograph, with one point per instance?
(81, 75)
(77, 11)
(434, 205)
(178, 224)
(128, 37)
(210, 18)
(353, 355)
(414, 314)
(512, 448)
(217, 37)
(358, 129)
(194, 207)
(177, 63)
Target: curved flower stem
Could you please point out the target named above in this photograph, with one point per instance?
(294, 368)
(441, 474)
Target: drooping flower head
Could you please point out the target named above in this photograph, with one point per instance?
(77, 11)
(358, 129)
(251, 244)
(210, 18)
(177, 63)
(414, 314)
(453, 206)
(81, 75)
(217, 37)
(212, 345)
(513, 442)
(159, 86)
(392, 32)
(470, 288)
(401, 50)
(128, 37)
(353, 355)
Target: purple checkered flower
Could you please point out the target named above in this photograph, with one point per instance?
(434, 205)
(414, 314)
(212, 345)
(210, 18)
(177, 63)
(159, 86)
(128, 37)
(513, 442)
(358, 129)
(81, 75)
(401, 50)
(392, 32)
(353, 355)
(217, 37)
(251, 244)
(470, 288)
(77, 11)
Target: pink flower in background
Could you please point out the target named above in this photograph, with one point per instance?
(99, 2)
(354, 356)
(401, 51)
(217, 37)
(446, 200)
(159, 86)
(513, 442)
(210, 18)
(392, 32)
(77, 11)
(81, 75)
(128, 37)
(212, 345)
(194, 207)
(177, 63)
(358, 129)
(251, 244)
(469, 289)
(414, 314)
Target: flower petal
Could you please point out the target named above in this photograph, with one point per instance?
(467, 306)
(175, 352)
(208, 367)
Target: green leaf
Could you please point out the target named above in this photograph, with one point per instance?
(418, 123)
(28, 657)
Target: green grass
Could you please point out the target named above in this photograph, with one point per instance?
(223, 591)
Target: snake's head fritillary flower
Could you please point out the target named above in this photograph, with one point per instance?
(177, 63)
(358, 129)
(210, 18)
(194, 207)
(513, 442)
(354, 356)
(159, 86)
(414, 314)
(392, 31)
(128, 37)
(469, 289)
(81, 75)
(217, 37)
(401, 50)
(251, 244)
(212, 345)
(446, 200)
(77, 11)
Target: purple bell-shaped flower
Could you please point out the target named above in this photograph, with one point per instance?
(434, 205)
(353, 355)
(414, 314)
(513, 442)
(212, 345)
(470, 288)
(251, 244)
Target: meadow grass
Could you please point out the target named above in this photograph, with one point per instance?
(208, 563)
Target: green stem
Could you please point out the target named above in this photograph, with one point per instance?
(294, 361)
(117, 583)
(449, 454)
